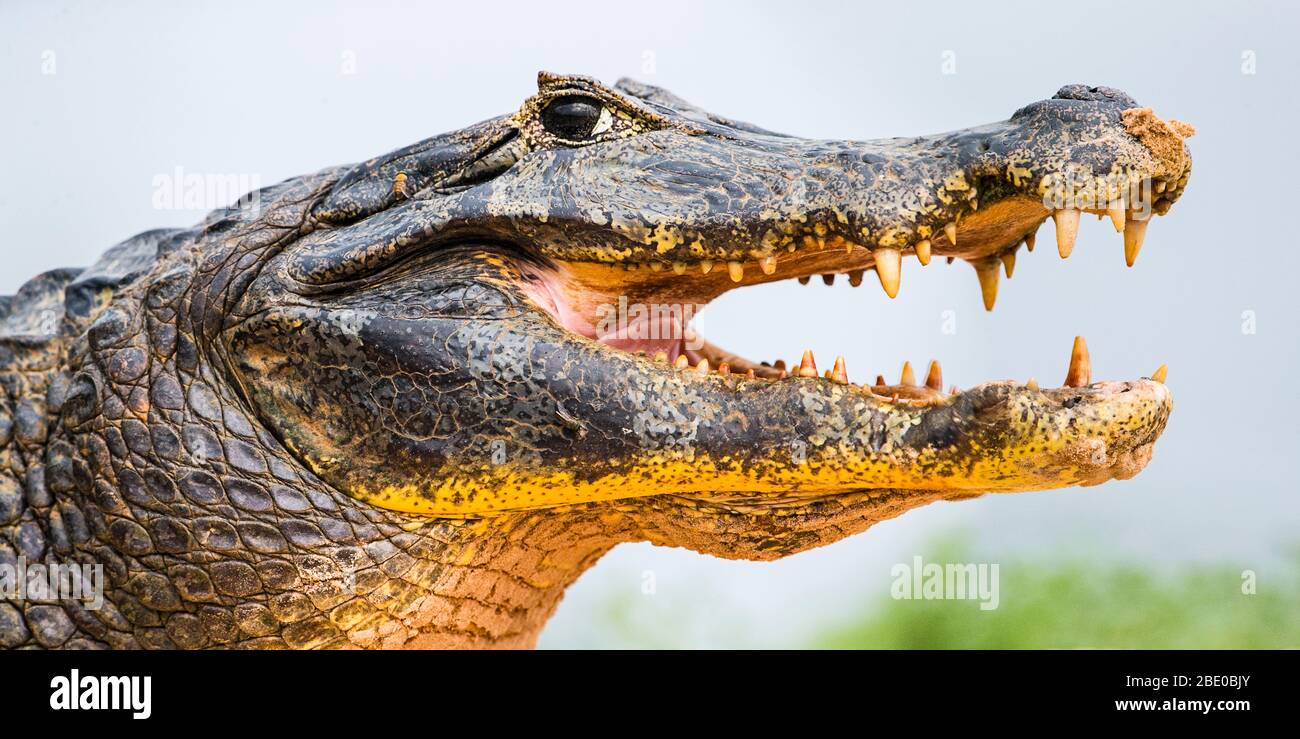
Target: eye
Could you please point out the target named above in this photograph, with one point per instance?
(574, 117)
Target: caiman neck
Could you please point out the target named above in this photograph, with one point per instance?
(211, 534)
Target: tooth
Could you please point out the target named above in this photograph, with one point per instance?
(804, 280)
(1029, 241)
(724, 369)
(630, 266)
(706, 266)
(1009, 262)
(1067, 227)
(656, 267)
(934, 378)
(840, 373)
(703, 366)
(821, 242)
(829, 279)
(951, 232)
(809, 242)
(923, 251)
(951, 259)
(790, 248)
(1160, 374)
(681, 362)
(880, 380)
(1134, 232)
(736, 270)
(848, 247)
(1160, 186)
(1032, 384)
(952, 390)
(987, 271)
(888, 263)
(1080, 372)
(661, 357)
(767, 264)
(679, 268)
(750, 373)
(855, 277)
(907, 377)
(807, 367)
(1116, 212)
(779, 364)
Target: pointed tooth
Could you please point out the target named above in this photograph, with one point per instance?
(779, 364)
(1116, 212)
(1080, 372)
(1160, 374)
(703, 366)
(661, 357)
(1029, 241)
(807, 367)
(736, 270)
(1009, 262)
(791, 247)
(987, 271)
(679, 268)
(656, 267)
(951, 259)
(804, 280)
(1067, 228)
(750, 373)
(1134, 232)
(923, 251)
(848, 247)
(821, 242)
(950, 231)
(888, 264)
(952, 390)
(828, 279)
(724, 369)
(681, 362)
(855, 277)
(907, 377)
(1032, 384)
(767, 264)
(706, 266)
(934, 378)
(840, 373)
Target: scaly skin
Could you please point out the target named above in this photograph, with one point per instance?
(370, 411)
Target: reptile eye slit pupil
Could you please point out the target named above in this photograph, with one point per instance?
(571, 117)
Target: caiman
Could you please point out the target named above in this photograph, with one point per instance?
(406, 402)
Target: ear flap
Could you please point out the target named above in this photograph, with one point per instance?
(377, 184)
(661, 97)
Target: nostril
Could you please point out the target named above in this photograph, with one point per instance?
(985, 146)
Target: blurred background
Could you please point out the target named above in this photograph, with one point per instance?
(106, 104)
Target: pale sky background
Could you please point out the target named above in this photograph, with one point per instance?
(99, 99)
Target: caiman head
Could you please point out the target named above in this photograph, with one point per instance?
(482, 341)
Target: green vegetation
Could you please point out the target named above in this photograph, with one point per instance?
(1073, 604)
(1043, 603)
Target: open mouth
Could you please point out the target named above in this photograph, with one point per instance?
(645, 308)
